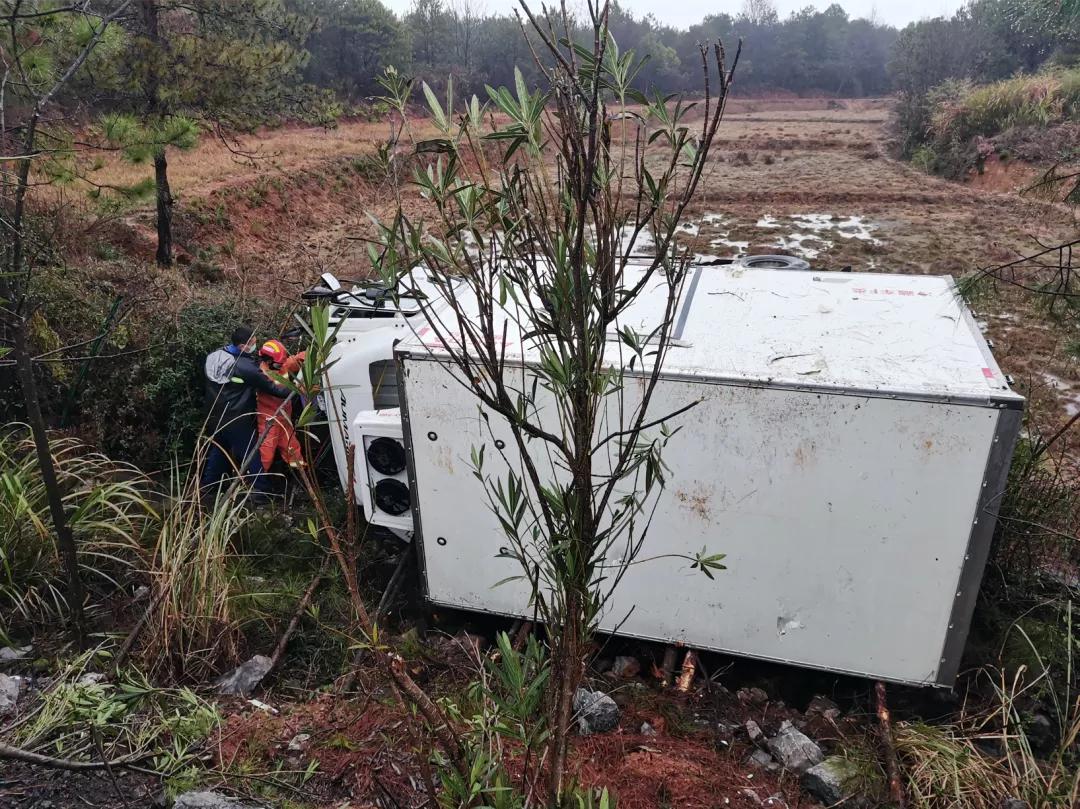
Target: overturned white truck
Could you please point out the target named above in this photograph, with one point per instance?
(848, 456)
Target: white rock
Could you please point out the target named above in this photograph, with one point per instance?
(299, 742)
(794, 749)
(212, 800)
(244, 678)
(596, 712)
(10, 688)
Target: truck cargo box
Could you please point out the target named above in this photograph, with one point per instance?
(848, 454)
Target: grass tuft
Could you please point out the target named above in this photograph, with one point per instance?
(108, 505)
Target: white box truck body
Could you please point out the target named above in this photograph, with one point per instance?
(848, 454)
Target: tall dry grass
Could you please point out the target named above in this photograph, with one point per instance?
(967, 111)
(992, 754)
(192, 571)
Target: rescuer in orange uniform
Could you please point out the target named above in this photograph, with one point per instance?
(274, 357)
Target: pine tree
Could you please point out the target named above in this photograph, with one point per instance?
(204, 65)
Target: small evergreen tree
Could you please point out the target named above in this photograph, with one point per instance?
(194, 65)
(45, 48)
(531, 246)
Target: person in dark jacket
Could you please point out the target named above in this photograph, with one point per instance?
(232, 378)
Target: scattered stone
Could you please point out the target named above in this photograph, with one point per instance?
(752, 696)
(794, 749)
(212, 800)
(625, 667)
(1013, 803)
(1041, 733)
(762, 759)
(753, 730)
(833, 780)
(724, 735)
(823, 706)
(596, 712)
(647, 729)
(752, 796)
(12, 654)
(298, 743)
(10, 688)
(245, 678)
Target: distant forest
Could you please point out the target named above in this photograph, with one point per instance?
(810, 52)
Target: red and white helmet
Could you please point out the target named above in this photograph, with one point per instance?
(274, 351)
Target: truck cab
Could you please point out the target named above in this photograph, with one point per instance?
(360, 390)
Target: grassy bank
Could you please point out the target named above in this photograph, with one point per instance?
(957, 125)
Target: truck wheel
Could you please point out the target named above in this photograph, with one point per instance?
(773, 263)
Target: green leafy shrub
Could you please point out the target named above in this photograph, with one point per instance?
(108, 507)
(156, 411)
(87, 718)
(925, 159)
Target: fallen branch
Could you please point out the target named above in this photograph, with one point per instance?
(391, 664)
(392, 587)
(17, 754)
(667, 668)
(686, 675)
(522, 635)
(892, 768)
(302, 605)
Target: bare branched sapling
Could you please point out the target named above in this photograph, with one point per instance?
(542, 254)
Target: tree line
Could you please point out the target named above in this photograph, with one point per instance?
(809, 52)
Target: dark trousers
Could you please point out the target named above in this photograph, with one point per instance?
(232, 443)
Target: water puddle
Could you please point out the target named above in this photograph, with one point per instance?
(1064, 387)
(806, 235)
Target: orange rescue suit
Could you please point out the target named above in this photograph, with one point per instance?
(282, 437)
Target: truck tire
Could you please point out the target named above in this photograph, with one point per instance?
(773, 263)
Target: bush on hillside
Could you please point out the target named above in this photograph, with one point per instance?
(952, 128)
(140, 398)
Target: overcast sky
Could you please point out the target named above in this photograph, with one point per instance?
(682, 13)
